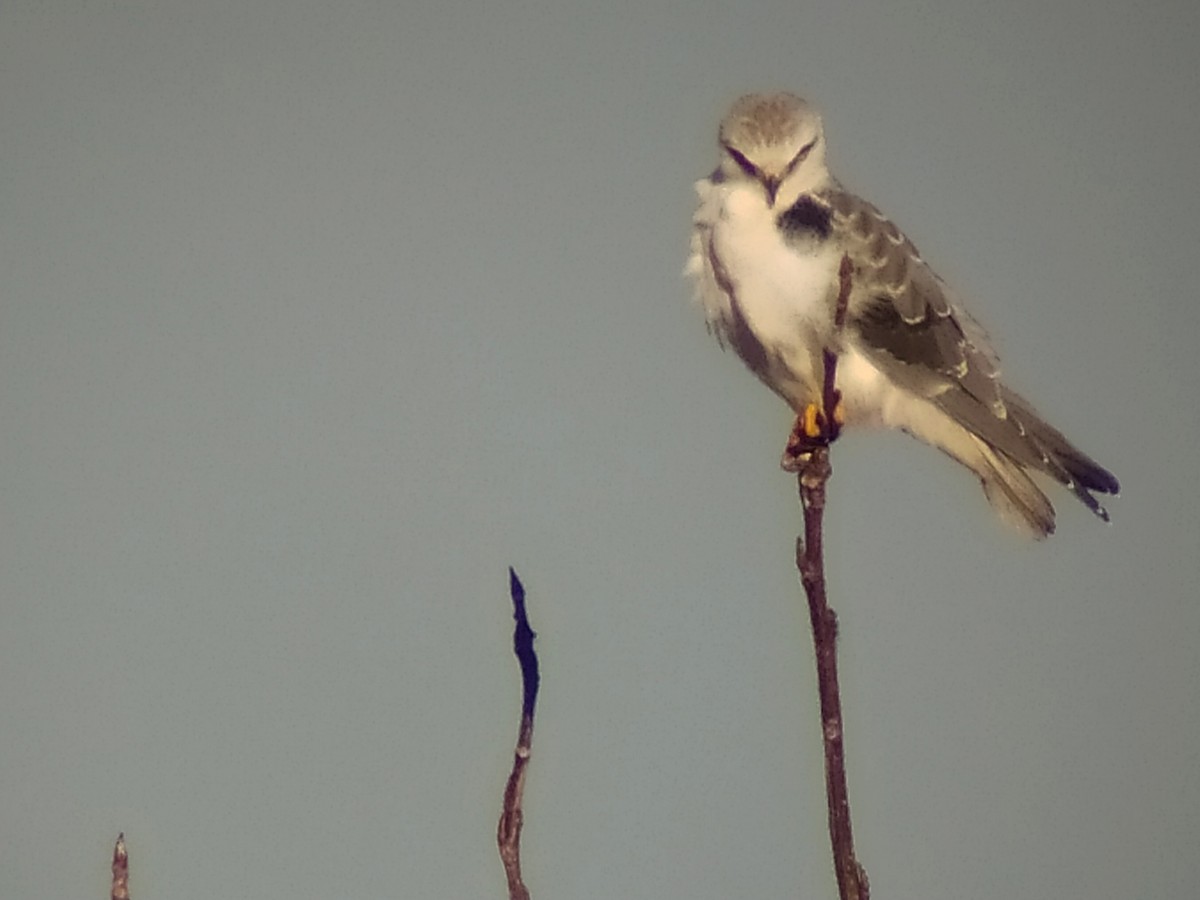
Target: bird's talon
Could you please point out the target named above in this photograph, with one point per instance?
(812, 421)
(813, 429)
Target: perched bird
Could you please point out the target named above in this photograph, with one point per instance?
(773, 238)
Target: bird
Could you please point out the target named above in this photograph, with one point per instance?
(775, 239)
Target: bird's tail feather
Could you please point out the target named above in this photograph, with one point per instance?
(1013, 494)
(1059, 458)
(1005, 451)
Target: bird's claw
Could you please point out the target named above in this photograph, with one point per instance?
(813, 429)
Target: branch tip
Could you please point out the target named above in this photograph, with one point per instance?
(512, 817)
(120, 870)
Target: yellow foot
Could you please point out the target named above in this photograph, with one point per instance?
(812, 429)
(810, 421)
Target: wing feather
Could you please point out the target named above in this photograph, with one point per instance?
(910, 325)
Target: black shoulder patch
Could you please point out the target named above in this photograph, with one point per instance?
(806, 218)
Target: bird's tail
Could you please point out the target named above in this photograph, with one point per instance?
(1013, 494)
(1004, 451)
(1042, 449)
(1059, 458)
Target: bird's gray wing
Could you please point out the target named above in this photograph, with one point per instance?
(905, 318)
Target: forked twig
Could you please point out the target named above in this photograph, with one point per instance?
(813, 471)
(508, 833)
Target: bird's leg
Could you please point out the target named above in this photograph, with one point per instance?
(814, 428)
(821, 423)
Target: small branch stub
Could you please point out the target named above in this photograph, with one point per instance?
(508, 832)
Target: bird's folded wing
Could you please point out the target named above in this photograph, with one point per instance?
(905, 319)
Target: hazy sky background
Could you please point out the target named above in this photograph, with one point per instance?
(314, 317)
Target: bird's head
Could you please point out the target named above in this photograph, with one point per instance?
(776, 140)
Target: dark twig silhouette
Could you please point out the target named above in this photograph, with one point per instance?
(120, 870)
(811, 463)
(508, 833)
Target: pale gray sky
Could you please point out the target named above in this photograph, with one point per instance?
(314, 317)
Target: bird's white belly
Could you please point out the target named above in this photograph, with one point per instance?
(868, 396)
(785, 294)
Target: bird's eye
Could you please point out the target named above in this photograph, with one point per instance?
(801, 156)
(748, 167)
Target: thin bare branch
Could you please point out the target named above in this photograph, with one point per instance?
(813, 471)
(508, 833)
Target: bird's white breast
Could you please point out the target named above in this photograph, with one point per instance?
(785, 294)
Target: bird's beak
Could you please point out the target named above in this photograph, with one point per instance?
(771, 185)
